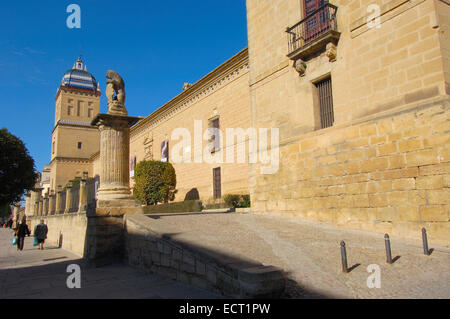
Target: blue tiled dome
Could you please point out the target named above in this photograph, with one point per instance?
(79, 78)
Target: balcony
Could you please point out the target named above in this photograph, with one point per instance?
(312, 34)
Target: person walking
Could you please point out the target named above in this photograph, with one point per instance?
(21, 232)
(40, 232)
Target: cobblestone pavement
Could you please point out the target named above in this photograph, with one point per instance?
(33, 273)
(310, 254)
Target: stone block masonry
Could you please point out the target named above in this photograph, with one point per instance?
(386, 174)
(67, 231)
(180, 260)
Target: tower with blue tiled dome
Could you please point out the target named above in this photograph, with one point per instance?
(74, 140)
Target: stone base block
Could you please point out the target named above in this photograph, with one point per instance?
(118, 207)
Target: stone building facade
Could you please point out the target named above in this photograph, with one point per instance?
(361, 100)
(220, 99)
(359, 93)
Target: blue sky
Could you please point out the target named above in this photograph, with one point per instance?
(155, 46)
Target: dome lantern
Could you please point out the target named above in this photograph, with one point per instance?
(79, 78)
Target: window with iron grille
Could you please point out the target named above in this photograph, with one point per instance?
(217, 184)
(325, 97)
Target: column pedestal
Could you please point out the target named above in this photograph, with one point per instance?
(114, 197)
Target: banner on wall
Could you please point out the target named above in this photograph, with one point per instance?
(132, 166)
(165, 151)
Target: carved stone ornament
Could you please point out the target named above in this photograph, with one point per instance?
(186, 86)
(300, 66)
(148, 147)
(331, 51)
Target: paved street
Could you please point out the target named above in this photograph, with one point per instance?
(42, 274)
(310, 254)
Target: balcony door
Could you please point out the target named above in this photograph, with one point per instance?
(317, 23)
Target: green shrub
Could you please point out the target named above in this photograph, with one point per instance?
(237, 201)
(75, 182)
(155, 182)
(245, 201)
(232, 200)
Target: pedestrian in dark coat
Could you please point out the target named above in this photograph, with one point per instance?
(40, 232)
(22, 231)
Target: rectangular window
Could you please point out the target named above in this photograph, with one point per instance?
(69, 110)
(325, 101)
(79, 145)
(217, 185)
(90, 112)
(53, 148)
(79, 108)
(215, 137)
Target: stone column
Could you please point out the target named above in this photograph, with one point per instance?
(27, 204)
(38, 196)
(46, 202)
(58, 206)
(36, 208)
(16, 214)
(33, 198)
(51, 203)
(41, 206)
(68, 197)
(114, 156)
(83, 203)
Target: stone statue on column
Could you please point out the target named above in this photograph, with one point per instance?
(114, 197)
(115, 92)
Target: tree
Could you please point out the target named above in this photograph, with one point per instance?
(5, 211)
(17, 174)
(155, 182)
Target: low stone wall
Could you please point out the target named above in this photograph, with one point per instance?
(68, 230)
(151, 251)
(179, 207)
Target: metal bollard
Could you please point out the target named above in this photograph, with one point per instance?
(344, 258)
(387, 242)
(426, 250)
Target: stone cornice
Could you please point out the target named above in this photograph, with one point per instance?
(222, 75)
(114, 121)
(77, 91)
(86, 125)
(94, 156)
(70, 160)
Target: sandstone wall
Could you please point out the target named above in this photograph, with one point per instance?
(223, 93)
(64, 170)
(383, 166)
(68, 229)
(375, 69)
(388, 174)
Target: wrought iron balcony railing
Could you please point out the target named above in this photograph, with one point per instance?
(320, 24)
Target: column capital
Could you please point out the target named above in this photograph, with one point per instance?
(110, 121)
